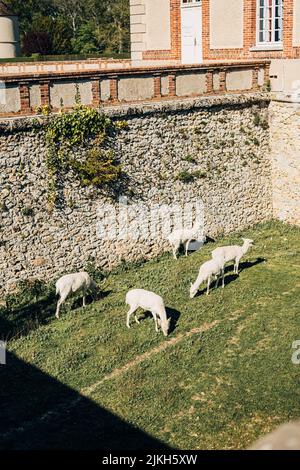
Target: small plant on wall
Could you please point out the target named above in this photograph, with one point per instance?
(79, 141)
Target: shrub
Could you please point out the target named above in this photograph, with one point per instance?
(28, 291)
(27, 212)
(185, 177)
(69, 132)
(190, 159)
(99, 168)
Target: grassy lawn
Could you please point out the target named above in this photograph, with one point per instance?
(220, 388)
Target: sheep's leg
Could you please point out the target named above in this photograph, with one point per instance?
(223, 278)
(208, 284)
(58, 308)
(136, 319)
(187, 246)
(237, 262)
(131, 311)
(84, 299)
(156, 322)
(217, 281)
(175, 249)
(61, 300)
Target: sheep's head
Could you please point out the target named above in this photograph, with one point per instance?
(165, 326)
(248, 242)
(193, 291)
(95, 290)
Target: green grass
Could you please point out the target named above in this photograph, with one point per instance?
(220, 389)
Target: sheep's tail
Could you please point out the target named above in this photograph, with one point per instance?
(57, 290)
(127, 299)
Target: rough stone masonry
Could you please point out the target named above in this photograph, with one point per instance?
(285, 153)
(222, 141)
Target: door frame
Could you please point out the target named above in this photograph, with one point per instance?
(194, 4)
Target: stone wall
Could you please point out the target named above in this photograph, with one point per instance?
(218, 139)
(285, 154)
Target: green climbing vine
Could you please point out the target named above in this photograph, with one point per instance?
(79, 141)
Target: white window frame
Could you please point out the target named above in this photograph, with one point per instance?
(190, 3)
(267, 44)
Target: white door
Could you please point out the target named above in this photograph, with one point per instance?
(191, 33)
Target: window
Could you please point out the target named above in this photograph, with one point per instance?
(186, 3)
(270, 22)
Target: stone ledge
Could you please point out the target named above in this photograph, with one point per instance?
(28, 123)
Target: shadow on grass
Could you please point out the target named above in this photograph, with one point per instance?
(39, 412)
(242, 267)
(250, 264)
(209, 240)
(21, 320)
(174, 315)
(171, 313)
(90, 299)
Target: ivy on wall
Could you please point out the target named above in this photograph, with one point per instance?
(79, 141)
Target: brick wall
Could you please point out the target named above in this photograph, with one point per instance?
(228, 54)
(175, 52)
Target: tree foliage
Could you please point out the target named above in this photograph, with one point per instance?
(73, 26)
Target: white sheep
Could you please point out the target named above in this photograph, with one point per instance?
(72, 283)
(147, 300)
(212, 268)
(233, 253)
(184, 237)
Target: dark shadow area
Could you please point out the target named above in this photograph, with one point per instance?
(229, 279)
(244, 265)
(90, 299)
(27, 395)
(19, 321)
(210, 240)
(121, 188)
(250, 264)
(171, 313)
(174, 315)
(203, 291)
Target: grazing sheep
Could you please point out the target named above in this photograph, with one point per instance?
(212, 268)
(148, 301)
(72, 283)
(233, 253)
(184, 237)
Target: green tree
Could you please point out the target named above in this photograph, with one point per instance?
(85, 41)
(113, 31)
(73, 11)
(73, 26)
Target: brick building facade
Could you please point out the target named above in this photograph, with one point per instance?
(196, 31)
